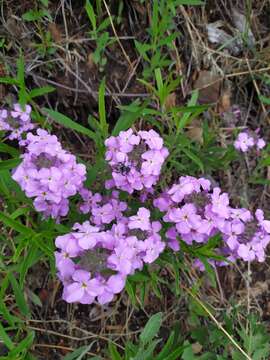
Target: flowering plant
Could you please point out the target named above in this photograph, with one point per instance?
(117, 237)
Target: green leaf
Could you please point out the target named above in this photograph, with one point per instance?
(19, 296)
(94, 170)
(41, 91)
(19, 212)
(8, 80)
(167, 347)
(44, 2)
(159, 80)
(5, 338)
(70, 124)
(188, 352)
(264, 99)
(9, 150)
(102, 110)
(114, 354)
(9, 164)
(189, 2)
(91, 14)
(130, 289)
(15, 225)
(139, 277)
(151, 328)
(79, 353)
(20, 70)
(42, 245)
(194, 158)
(186, 118)
(129, 116)
(176, 353)
(23, 345)
(147, 354)
(29, 260)
(34, 15)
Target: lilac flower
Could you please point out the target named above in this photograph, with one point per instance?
(127, 140)
(220, 203)
(265, 224)
(103, 214)
(68, 244)
(246, 252)
(141, 220)
(90, 200)
(233, 230)
(121, 259)
(86, 235)
(135, 160)
(152, 249)
(260, 144)
(3, 120)
(152, 163)
(16, 121)
(185, 218)
(171, 235)
(163, 202)
(49, 174)
(244, 142)
(121, 251)
(152, 139)
(65, 266)
(241, 214)
(248, 139)
(80, 289)
(186, 186)
(116, 283)
(18, 112)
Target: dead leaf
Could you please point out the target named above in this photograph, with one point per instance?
(195, 132)
(216, 35)
(55, 32)
(43, 294)
(260, 288)
(208, 85)
(225, 102)
(170, 101)
(14, 28)
(243, 26)
(139, 7)
(196, 348)
(90, 62)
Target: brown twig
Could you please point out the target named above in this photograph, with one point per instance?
(116, 36)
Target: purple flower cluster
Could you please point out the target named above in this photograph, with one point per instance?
(104, 209)
(247, 140)
(49, 174)
(94, 260)
(93, 263)
(197, 212)
(135, 159)
(17, 121)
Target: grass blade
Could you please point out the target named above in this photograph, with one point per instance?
(70, 124)
(15, 225)
(19, 296)
(6, 339)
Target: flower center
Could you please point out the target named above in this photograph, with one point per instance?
(94, 261)
(44, 161)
